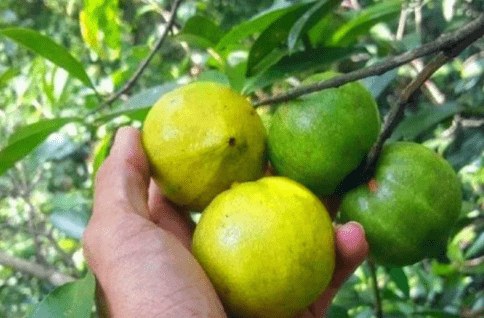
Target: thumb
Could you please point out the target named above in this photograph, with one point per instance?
(123, 179)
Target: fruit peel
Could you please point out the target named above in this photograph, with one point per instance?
(320, 138)
(201, 138)
(267, 247)
(409, 207)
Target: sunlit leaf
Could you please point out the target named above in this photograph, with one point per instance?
(364, 20)
(71, 222)
(48, 49)
(200, 31)
(138, 105)
(272, 38)
(101, 152)
(258, 23)
(99, 24)
(476, 247)
(25, 139)
(309, 19)
(298, 62)
(72, 300)
(214, 76)
(8, 75)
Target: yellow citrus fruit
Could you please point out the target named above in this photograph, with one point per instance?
(320, 138)
(201, 138)
(267, 247)
(409, 207)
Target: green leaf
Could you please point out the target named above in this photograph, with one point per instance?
(337, 312)
(138, 105)
(258, 23)
(48, 49)
(71, 222)
(476, 247)
(25, 139)
(309, 19)
(99, 24)
(322, 31)
(427, 117)
(8, 75)
(435, 314)
(72, 300)
(200, 31)
(298, 62)
(101, 152)
(272, 37)
(214, 76)
(398, 276)
(364, 20)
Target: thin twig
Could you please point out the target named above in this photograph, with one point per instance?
(378, 304)
(141, 68)
(365, 171)
(54, 277)
(443, 42)
(396, 114)
(39, 256)
(67, 258)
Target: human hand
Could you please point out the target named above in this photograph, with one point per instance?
(138, 245)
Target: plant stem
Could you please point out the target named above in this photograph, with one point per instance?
(378, 305)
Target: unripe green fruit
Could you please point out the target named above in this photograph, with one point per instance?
(320, 138)
(409, 207)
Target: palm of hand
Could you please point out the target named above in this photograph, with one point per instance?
(137, 244)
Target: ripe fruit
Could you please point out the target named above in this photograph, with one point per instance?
(267, 247)
(320, 138)
(199, 139)
(409, 207)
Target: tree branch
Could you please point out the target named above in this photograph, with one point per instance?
(378, 304)
(34, 269)
(442, 43)
(366, 170)
(141, 68)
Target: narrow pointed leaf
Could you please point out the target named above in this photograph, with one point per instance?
(138, 105)
(22, 142)
(398, 276)
(272, 38)
(72, 300)
(257, 24)
(48, 49)
(201, 32)
(364, 20)
(309, 19)
(298, 62)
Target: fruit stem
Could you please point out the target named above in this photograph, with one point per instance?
(378, 306)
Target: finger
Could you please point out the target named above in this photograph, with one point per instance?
(351, 250)
(168, 216)
(122, 181)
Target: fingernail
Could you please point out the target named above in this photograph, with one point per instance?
(352, 226)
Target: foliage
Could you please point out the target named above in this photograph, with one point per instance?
(60, 60)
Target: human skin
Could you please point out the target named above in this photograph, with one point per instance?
(137, 244)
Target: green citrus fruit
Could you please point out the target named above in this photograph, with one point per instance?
(320, 138)
(267, 247)
(409, 207)
(201, 138)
